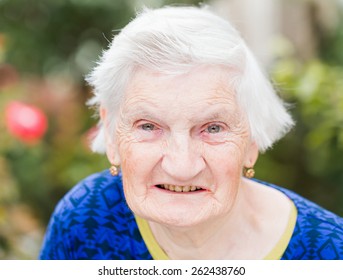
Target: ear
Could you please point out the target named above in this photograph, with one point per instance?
(112, 150)
(251, 154)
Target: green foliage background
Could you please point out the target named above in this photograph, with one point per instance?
(46, 48)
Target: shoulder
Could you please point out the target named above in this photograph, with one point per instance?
(318, 233)
(99, 191)
(92, 221)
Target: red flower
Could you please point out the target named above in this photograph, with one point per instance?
(26, 122)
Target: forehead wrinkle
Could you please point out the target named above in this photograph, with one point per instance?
(138, 102)
(213, 109)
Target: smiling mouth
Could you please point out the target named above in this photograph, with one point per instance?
(174, 188)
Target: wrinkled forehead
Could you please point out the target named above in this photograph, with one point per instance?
(204, 85)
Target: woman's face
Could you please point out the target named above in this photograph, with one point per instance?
(182, 143)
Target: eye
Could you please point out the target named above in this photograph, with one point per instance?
(148, 126)
(145, 130)
(214, 128)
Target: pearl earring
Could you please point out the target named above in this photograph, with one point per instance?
(114, 170)
(249, 172)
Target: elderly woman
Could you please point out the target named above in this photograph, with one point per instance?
(185, 110)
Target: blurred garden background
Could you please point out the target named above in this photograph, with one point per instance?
(48, 46)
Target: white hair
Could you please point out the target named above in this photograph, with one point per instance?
(173, 41)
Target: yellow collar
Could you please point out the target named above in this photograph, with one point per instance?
(276, 253)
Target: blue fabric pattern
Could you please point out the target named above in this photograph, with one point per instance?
(93, 222)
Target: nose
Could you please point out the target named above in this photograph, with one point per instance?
(182, 158)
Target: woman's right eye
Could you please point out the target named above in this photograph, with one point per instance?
(148, 126)
(147, 131)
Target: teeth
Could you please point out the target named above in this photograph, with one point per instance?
(174, 188)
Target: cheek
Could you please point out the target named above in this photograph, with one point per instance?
(226, 163)
(134, 174)
(139, 154)
(229, 155)
(138, 163)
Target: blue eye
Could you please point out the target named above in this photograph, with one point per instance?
(214, 128)
(148, 127)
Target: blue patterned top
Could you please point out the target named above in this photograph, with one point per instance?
(94, 222)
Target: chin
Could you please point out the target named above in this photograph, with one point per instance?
(175, 215)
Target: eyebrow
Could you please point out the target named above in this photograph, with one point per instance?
(137, 111)
(148, 112)
(215, 115)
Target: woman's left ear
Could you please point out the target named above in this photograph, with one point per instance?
(251, 155)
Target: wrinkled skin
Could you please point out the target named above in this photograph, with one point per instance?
(183, 130)
(188, 130)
